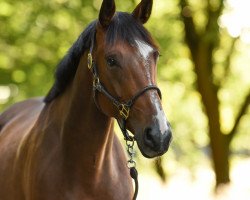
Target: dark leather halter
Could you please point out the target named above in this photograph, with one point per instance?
(124, 109)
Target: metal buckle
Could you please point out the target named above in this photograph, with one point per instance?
(124, 111)
(96, 82)
(90, 61)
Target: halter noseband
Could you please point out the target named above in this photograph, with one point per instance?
(123, 108)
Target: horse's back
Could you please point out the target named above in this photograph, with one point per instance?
(20, 114)
(15, 123)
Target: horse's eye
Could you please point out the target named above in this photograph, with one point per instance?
(157, 55)
(112, 62)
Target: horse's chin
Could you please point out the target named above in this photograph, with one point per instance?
(147, 152)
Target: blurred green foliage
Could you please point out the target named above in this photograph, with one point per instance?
(35, 35)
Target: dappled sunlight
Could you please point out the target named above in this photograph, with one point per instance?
(184, 185)
(236, 19)
(4, 94)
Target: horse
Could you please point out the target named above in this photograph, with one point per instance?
(63, 146)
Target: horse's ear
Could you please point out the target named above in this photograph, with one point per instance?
(107, 12)
(143, 10)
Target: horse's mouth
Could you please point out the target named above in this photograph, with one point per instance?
(149, 152)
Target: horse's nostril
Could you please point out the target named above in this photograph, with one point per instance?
(149, 137)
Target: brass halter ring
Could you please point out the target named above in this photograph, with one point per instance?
(90, 61)
(96, 81)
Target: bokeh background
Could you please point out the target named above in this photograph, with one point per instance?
(204, 75)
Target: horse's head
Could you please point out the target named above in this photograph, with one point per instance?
(125, 57)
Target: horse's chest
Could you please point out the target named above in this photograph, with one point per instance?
(114, 186)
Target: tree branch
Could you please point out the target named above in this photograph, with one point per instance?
(191, 34)
(159, 169)
(229, 57)
(228, 61)
(212, 26)
(214, 13)
(241, 112)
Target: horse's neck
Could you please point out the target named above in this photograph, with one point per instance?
(86, 133)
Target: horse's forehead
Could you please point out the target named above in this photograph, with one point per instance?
(144, 48)
(139, 46)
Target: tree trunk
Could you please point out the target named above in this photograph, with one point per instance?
(220, 156)
(218, 141)
(202, 45)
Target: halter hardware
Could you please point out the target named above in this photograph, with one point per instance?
(90, 61)
(96, 82)
(124, 111)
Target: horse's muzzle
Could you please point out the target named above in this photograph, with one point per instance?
(154, 142)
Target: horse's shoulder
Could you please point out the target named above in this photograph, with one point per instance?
(21, 109)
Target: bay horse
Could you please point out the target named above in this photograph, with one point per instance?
(63, 146)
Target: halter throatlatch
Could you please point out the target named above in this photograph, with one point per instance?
(124, 110)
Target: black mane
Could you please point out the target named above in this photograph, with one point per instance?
(122, 27)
